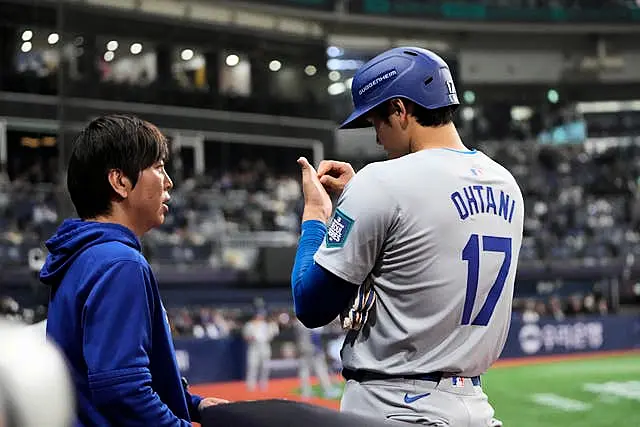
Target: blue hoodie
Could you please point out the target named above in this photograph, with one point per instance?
(106, 315)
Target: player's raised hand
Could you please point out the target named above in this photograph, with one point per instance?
(335, 175)
(317, 203)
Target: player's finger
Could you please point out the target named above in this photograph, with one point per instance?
(303, 162)
(332, 167)
(330, 182)
(325, 167)
(306, 166)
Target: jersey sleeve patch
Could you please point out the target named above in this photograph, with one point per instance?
(339, 229)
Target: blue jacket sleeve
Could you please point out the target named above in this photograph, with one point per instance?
(117, 326)
(319, 296)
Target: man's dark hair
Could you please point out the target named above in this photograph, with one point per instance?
(425, 117)
(110, 142)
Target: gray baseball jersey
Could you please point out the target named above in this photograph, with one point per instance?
(438, 232)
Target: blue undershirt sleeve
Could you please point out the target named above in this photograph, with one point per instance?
(318, 295)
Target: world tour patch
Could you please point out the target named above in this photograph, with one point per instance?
(339, 229)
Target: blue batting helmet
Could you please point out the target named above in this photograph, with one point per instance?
(408, 72)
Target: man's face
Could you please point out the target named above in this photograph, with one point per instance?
(149, 197)
(389, 131)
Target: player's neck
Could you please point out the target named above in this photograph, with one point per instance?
(120, 217)
(426, 138)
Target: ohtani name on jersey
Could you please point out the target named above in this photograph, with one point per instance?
(476, 199)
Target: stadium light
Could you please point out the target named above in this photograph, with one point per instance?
(334, 51)
(108, 56)
(334, 76)
(26, 47)
(336, 88)
(275, 65)
(186, 54)
(53, 38)
(468, 113)
(135, 48)
(553, 96)
(344, 64)
(469, 96)
(520, 113)
(232, 60)
(27, 35)
(310, 70)
(112, 45)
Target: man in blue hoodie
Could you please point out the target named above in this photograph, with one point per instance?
(105, 311)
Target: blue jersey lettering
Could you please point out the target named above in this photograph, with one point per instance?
(480, 199)
(460, 206)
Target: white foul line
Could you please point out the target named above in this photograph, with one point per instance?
(559, 402)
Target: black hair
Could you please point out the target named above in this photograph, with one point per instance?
(116, 141)
(425, 117)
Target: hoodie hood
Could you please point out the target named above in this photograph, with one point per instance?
(73, 237)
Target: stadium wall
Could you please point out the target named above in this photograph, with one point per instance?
(208, 361)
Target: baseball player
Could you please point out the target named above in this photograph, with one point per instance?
(259, 332)
(420, 253)
(312, 357)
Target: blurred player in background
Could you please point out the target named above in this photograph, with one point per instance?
(422, 251)
(258, 333)
(312, 357)
(105, 310)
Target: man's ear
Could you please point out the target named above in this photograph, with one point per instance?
(398, 107)
(120, 183)
(402, 110)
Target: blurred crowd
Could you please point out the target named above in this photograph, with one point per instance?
(28, 216)
(11, 310)
(220, 322)
(208, 211)
(531, 310)
(204, 322)
(205, 214)
(581, 203)
(217, 322)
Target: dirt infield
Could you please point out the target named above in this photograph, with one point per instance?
(278, 389)
(285, 388)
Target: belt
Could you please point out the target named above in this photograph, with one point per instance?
(362, 375)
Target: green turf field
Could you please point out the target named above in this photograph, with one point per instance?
(578, 393)
(582, 393)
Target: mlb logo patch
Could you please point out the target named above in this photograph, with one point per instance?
(457, 381)
(339, 229)
(476, 171)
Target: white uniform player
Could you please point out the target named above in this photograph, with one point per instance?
(435, 234)
(258, 333)
(312, 358)
(438, 232)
